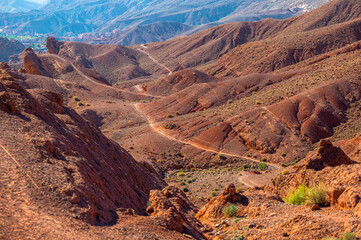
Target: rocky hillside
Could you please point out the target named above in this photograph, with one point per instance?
(65, 163)
(9, 48)
(154, 32)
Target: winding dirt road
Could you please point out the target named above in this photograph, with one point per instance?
(150, 122)
(141, 49)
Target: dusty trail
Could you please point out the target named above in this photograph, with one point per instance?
(153, 59)
(156, 129)
(18, 165)
(17, 205)
(151, 122)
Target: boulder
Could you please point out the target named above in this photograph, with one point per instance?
(52, 45)
(326, 155)
(214, 208)
(174, 211)
(32, 63)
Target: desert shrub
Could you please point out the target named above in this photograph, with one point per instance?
(283, 165)
(317, 194)
(239, 237)
(283, 154)
(348, 236)
(170, 116)
(76, 98)
(297, 197)
(296, 161)
(214, 193)
(79, 104)
(169, 125)
(185, 189)
(180, 173)
(177, 113)
(264, 159)
(221, 156)
(262, 166)
(230, 210)
(285, 172)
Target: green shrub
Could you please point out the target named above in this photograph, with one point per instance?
(170, 116)
(317, 194)
(283, 154)
(169, 125)
(214, 193)
(264, 159)
(239, 237)
(221, 156)
(79, 104)
(230, 210)
(185, 189)
(349, 236)
(262, 166)
(297, 197)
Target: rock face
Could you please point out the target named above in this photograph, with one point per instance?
(174, 211)
(52, 45)
(32, 63)
(214, 208)
(326, 155)
(74, 169)
(327, 164)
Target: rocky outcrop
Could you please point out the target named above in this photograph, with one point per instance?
(174, 211)
(331, 166)
(52, 45)
(32, 63)
(326, 155)
(214, 208)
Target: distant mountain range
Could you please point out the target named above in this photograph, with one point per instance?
(13, 6)
(70, 18)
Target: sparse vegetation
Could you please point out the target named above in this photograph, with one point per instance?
(230, 210)
(295, 162)
(239, 237)
(221, 156)
(214, 193)
(185, 189)
(262, 166)
(170, 116)
(79, 104)
(317, 194)
(180, 173)
(75, 98)
(169, 125)
(349, 236)
(285, 172)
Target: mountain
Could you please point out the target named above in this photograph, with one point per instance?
(9, 48)
(61, 18)
(153, 32)
(14, 6)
